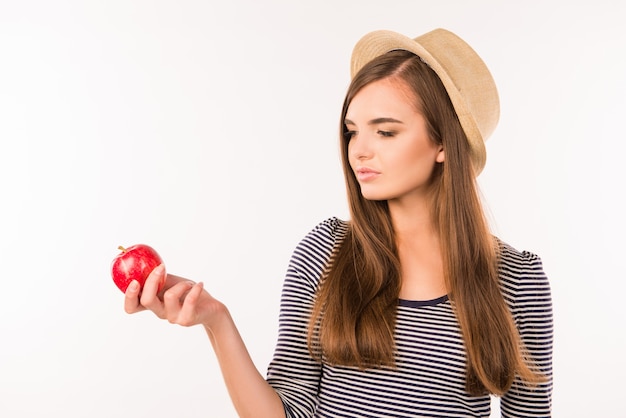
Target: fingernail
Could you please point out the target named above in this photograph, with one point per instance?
(133, 286)
(159, 269)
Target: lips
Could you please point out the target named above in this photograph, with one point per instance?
(366, 174)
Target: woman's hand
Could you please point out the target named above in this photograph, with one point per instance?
(180, 301)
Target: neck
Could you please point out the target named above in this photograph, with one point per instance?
(412, 221)
(419, 251)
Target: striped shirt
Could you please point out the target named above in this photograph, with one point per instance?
(429, 377)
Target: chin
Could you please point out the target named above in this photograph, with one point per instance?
(374, 196)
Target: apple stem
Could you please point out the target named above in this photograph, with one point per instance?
(122, 249)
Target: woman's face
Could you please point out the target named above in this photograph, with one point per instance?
(389, 148)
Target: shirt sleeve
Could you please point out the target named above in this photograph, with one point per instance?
(293, 372)
(530, 299)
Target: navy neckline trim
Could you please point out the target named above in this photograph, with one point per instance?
(418, 303)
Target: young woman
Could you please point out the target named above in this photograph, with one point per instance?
(411, 308)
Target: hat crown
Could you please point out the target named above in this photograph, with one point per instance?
(465, 76)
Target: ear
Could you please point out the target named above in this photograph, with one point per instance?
(441, 156)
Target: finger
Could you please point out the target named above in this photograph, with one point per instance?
(149, 297)
(188, 312)
(173, 297)
(172, 279)
(151, 285)
(131, 298)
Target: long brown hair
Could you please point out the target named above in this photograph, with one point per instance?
(354, 315)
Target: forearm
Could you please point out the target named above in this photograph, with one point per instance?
(250, 393)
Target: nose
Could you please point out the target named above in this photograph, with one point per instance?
(360, 147)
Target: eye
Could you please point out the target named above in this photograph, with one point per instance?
(386, 134)
(348, 135)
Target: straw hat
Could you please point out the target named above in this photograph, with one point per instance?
(465, 76)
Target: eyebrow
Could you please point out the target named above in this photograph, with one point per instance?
(376, 121)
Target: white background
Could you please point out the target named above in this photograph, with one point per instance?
(209, 131)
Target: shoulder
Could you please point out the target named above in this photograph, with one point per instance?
(522, 277)
(513, 262)
(333, 227)
(314, 251)
(324, 236)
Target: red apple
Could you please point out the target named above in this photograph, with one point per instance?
(134, 263)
